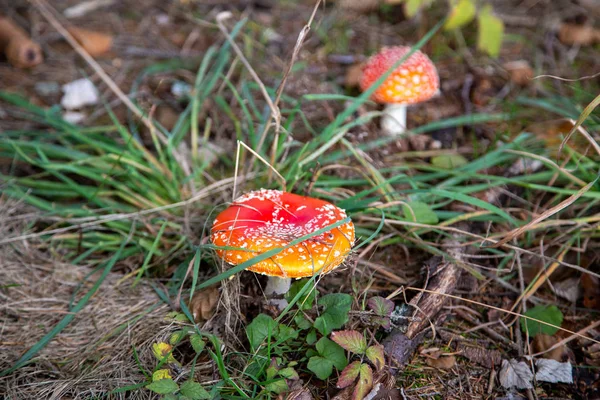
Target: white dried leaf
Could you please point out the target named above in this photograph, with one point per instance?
(515, 373)
(568, 289)
(78, 94)
(553, 371)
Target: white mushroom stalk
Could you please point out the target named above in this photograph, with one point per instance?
(275, 291)
(393, 120)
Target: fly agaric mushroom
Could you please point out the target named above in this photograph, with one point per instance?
(414, 81)
(264, 220)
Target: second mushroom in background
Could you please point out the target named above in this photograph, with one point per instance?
(416, 80)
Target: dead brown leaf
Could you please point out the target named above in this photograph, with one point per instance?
(482, 356)
(582, 35)
(591, 291)
(359, 6)
(543, 342)
(443, 362)
(95, 43)
(203, 303)
(353, 74)
(520, 72)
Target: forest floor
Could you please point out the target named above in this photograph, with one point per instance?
(475, 266)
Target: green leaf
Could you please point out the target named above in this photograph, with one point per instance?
(271, 371)
(376, 355)
(320, 366)
(333, 352)
(289, 373)
(286, 333)
(462, 12)
(311, 337)
(161, 374)
(550, 314)
(335, 312)
(301, 322)
(306, 301)
(197, 343)
(278, 386)
(349, 375)
(420, 212)
(194, 391)
(351, 341)
(259, 329)
(176, 337)
(491, 30)
(448, 161)
(163, 386)
(412, 7)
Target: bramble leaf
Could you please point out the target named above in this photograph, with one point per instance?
(161, 374)
(462, 12)
(351, 341)
(376, 355)
(491, 31)
(381, 306)
(163, 386)
(194, 391)
(365, 382)
(349, 375)
(420, 212)
(163, 351)
(197, 343)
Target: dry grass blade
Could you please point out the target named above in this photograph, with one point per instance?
(546, 214)
(584, 114)
(206, 192)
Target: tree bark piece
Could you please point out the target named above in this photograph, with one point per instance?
(443, 281)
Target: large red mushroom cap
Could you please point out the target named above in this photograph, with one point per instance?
(262, 220)
(414, 81)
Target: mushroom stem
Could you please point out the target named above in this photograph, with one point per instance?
(393, 120)
(277, 287)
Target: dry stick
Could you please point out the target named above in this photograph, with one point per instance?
(577, 334)
(492, 333)
(444, 280)
(299, 42)
(48, 12)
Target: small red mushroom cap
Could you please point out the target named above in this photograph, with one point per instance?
(414, 81)
(263, 220)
